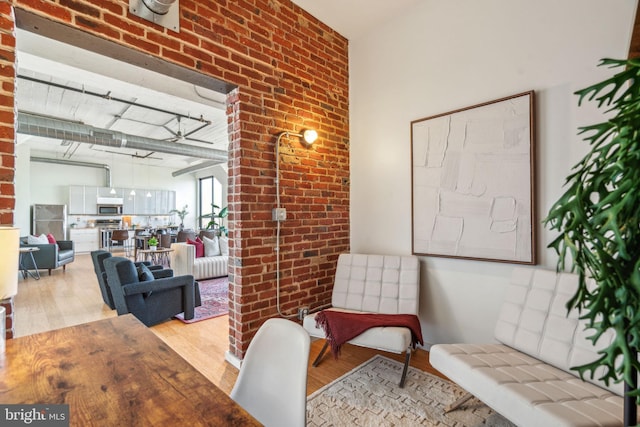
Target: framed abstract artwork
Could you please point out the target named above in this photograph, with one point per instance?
(473, 182)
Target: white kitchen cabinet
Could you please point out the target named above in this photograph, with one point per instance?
(76, 200)
(90, 200)
(85, 239)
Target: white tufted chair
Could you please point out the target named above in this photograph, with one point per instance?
(386, 284)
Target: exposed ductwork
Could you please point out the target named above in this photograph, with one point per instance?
(46, 127)
(106, 168)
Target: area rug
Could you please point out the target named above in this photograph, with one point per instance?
(214, 294)
(369, 395)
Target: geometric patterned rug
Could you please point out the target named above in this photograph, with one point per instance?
(369, 395)
(214, 294)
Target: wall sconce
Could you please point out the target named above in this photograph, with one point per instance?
(160, 12)
(279, 214)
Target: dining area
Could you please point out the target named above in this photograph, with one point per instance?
(145, 244)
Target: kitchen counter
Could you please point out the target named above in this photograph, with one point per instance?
(84, 239)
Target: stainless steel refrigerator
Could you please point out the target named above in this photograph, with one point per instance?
(50, 219)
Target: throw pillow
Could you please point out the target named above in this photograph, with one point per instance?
(51, 239)
(224, 245)
(144, 274)
(211, 246)
(38, 240)
(199, 246)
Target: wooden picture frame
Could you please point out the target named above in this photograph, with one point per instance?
(472, 181)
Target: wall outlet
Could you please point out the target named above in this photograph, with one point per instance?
(279, 214)
(304, 311)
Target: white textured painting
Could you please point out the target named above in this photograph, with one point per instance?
(472, 179)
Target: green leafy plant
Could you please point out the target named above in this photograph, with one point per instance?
(598, 219)
(152, 241)
(213, 223)
(182, 213)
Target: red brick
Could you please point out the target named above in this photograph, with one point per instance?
(291, 73)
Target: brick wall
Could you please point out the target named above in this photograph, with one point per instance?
(291, 73)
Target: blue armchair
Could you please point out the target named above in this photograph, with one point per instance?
(98, 257)
(50, 256)
(152, 301)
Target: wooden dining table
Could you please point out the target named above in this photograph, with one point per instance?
(113, 372)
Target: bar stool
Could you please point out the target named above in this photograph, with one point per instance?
(121, 236)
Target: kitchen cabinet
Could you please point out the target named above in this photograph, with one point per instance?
(129, 202)
(76, 200)
(85, 239)
(90, 200)
(83, 200)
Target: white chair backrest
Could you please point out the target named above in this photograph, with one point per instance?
(272, 383)
(388, 284)
(533, 319)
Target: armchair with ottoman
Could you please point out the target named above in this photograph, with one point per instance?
(49, 256)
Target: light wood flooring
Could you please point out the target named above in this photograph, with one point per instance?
(73, 297)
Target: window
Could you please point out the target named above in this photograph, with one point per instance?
(210, 191)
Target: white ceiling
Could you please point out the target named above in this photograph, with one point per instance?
(60, 81)
(354, 18)
(126, 89)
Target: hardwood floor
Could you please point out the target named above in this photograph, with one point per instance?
(73, 297)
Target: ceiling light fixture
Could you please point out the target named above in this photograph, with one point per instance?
(278, 214)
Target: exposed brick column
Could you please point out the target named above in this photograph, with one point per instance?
(291, 73)
(8, 321)
(7, 134)
(7, 114)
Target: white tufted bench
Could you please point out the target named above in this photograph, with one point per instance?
(387, 284)
(527, 377)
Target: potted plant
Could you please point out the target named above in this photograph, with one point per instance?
(182, 213)
(153, 243)
(598, 220)
(214, 223)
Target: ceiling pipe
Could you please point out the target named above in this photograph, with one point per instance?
(46, 127)
(107, 169)
(195, 168)
(108, 96)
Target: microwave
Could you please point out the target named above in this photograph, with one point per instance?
(109, 209)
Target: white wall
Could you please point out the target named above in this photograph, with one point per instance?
(441, 56)
(49, 183)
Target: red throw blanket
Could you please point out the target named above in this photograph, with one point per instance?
(339, 327)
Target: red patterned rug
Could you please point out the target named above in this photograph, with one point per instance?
(214, 294)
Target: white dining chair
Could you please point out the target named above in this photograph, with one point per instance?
(272, 383)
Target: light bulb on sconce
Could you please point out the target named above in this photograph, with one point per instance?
(310, 136)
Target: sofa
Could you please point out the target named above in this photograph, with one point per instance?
(214, 263)
(49, 256)
(527, 375)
